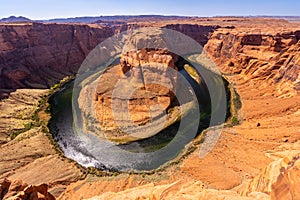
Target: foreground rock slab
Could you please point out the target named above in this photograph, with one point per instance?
(20, 190)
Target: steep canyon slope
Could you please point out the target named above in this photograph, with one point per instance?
(36, 55)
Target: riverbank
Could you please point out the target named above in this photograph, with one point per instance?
(49, 154)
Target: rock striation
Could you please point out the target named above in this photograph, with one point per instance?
(37, 55)
(280, 178)
(178, 190)
(193, 30)
(148, 78)
(132, 96)
(20, 190)
(273, 57)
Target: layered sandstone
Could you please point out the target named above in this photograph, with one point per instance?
(31, 155)
(280, 178)
(21, 190)
(271, 56)
(147, 78)
(133, 97)
(38, 55)
(178, 190)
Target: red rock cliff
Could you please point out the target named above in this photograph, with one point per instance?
(270, 56)
(36, 55)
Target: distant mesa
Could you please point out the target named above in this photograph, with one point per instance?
(15, 19)
(109, 23)
(115, 18)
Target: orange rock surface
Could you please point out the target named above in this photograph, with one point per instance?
(140, 73)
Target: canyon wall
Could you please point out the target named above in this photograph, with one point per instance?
(270, 56)
(36, 55)
(199, 33)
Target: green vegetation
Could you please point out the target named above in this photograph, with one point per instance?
(27, 127)
(235, 121)
(42, 105)
(234, 106)
(34, 122)
(56, 87)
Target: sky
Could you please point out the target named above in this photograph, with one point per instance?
(48, 9)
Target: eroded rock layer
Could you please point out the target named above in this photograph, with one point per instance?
(132, 96)
(20, 190)
(273, 57)
(37, 55)
(147, 78)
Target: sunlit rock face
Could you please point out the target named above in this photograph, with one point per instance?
(270, 56)
(135, 93)
(280, 179)
(143, 89)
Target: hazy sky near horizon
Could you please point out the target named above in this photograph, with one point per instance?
(47, 9)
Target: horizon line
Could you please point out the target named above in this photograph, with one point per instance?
(161, 15)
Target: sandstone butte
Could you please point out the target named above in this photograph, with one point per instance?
(149, 77)
(256, 159)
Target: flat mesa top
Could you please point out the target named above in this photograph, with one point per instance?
(263, 24)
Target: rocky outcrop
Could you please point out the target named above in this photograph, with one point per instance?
(31, 155)
(273, 57)
(287, 184)
(134, 93)
(280, 178)
(134, 59)
(150, 75)
(20, 190)
(289, 62)
(16, 112)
